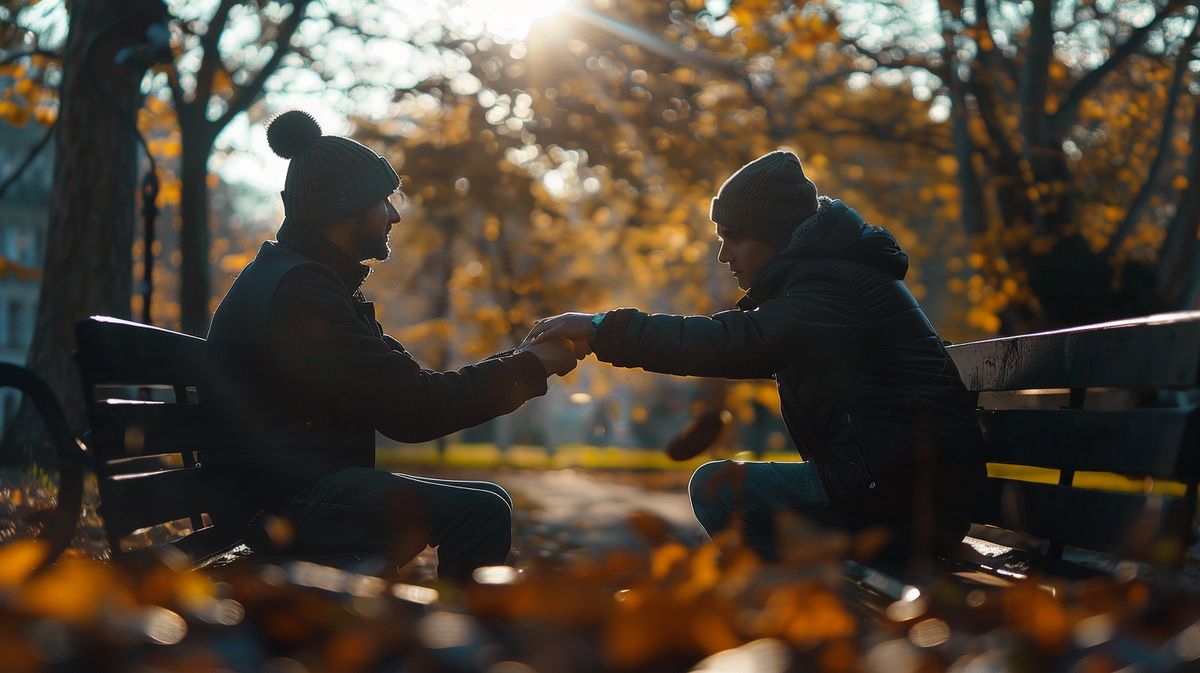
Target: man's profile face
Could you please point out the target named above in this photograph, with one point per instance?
(374, 228)
(745, 256)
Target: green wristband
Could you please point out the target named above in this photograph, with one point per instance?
(597, 319)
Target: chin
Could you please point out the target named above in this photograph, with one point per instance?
(381, 254)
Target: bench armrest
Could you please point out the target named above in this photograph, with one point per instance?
(60, 523)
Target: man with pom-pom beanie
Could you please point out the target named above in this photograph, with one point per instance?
(307, 376)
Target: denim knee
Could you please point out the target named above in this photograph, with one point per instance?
(710, 498)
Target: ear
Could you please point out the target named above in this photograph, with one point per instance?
(342, 234)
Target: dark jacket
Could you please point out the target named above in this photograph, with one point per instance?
(868, 392)
(305, 376)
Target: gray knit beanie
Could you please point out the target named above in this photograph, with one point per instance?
(329, 178)
(766, 199)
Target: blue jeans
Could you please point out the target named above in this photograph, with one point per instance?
(754, 492)
(360, 511)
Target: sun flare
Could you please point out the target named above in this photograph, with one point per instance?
(509, 19)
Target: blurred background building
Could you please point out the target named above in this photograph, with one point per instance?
(24, 213)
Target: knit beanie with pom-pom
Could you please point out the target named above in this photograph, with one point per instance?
(329, 178)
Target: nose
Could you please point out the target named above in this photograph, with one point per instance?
(723, 254)
(393, 214)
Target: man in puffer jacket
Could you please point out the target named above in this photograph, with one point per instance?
(868, 391)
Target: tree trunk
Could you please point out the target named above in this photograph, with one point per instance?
(88, 264)
(1179, 255)
(194, 282)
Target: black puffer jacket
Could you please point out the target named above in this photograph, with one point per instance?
(304, 375)
(867, 389)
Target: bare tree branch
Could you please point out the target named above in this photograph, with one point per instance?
(970, 194)
(906, 61)
(36, 51)
(29, 157)
(210, 48)
(1165, 136)
(1066, 110)
(1179, 254)
(244, 95)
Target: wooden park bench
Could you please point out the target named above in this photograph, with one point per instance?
(1114, 408)
(1085, 409)
(147, 437)
(1092, 436)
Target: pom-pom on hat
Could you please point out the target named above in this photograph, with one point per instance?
(766, 199)
(329, 178)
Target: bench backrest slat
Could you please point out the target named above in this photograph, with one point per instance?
(120, 363)
(130, 429)
(1118, 523)
(1156, 351)
(1136, 442)
(139, 501)
(1130, 388)
(120, 352)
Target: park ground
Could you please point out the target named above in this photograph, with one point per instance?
(614, 575)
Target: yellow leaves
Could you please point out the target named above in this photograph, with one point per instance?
(491, 228)
(9, 111)
(802, 50)
(1180, 183)
(165, 148)
(1038, 614)
(666, 558)
(947, 165)
(222, 83)
(742, 15)
(72, 591)
(683, 75)
(946, 191)
(46, 116)
(23, 87)
(234, 263)
(983, 319)
(1091, 110)
(19, 559)
(804, 614)
(170, 193)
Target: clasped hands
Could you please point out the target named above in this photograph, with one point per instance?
(560, 342)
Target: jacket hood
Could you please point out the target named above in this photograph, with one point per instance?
(837, 232)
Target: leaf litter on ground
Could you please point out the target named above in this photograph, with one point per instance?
(662, 600)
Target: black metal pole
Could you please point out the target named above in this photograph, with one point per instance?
(149, 215)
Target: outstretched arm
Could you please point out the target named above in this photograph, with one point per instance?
(336, 359)
(730, 344)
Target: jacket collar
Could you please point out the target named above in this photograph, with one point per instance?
(833, 225)
(313, 244)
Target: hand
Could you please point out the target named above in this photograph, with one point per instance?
(558, 356)
(573, 326)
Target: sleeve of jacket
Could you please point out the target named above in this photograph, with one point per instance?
(335, 356)
(811, 323)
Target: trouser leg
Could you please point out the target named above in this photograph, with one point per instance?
(480, 485)
(361, 510)
(749, 494)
